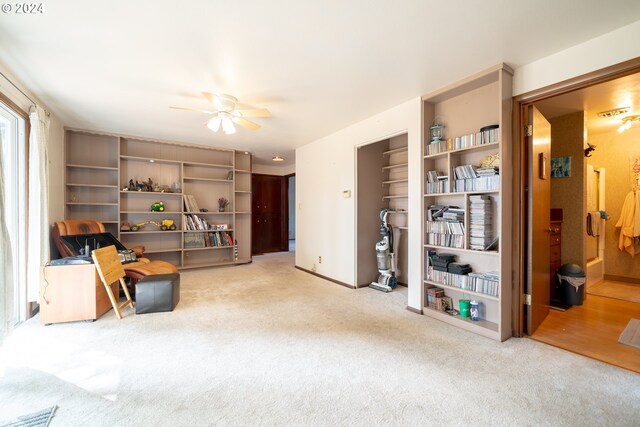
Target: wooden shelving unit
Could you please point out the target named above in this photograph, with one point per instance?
(99, 167)
(464, 108)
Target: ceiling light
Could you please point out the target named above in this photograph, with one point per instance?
(614, 112)
(626, 122)
(214, 123)
(227, 126)
(277, 159)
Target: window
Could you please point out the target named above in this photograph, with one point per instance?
(14, 143)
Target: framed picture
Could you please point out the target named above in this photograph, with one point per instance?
(560, 167)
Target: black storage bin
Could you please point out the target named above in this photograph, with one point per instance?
(571, 280)
(157, 293)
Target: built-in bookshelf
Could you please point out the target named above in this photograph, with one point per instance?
(127, 181)
(467, 180)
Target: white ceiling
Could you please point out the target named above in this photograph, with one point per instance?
(319, 66)
(619, 93)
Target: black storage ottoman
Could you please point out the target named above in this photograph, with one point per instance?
(158, 292)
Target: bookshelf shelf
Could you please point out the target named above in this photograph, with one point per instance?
(399, 196)
(396, 166)
(477, 117)
(207, 248)
(395, 181)
(99, 166)
(453, 288)
(395, 151)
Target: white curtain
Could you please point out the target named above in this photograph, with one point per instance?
(38, 232)
(6, 274)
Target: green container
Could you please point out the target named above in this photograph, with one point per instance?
(464, 307)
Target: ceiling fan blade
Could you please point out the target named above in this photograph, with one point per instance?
(193, 109)
(209, 96)
(245, 123)
(252, 112)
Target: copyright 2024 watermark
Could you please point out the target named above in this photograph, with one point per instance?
(22, 8)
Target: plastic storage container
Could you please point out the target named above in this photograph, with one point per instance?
(571, 280)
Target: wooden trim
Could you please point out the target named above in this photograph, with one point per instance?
(19, 111)
(346, 285)
(590, 79)
(521, 165)
(621, 278)
(415, 310)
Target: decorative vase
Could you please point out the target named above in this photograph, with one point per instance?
(220, 209)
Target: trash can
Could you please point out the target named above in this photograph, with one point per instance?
(571, 288)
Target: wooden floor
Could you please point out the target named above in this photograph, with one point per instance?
(592, 330)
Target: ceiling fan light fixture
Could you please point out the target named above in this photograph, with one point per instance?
(627, 121)
(277, 159)
(214, 123)
(227, 126)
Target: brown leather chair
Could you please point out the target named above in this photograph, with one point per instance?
(134, 270)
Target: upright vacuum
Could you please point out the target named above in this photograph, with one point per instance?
(385, 256)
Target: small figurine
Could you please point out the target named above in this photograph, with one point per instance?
(157, 207)
(132, 186)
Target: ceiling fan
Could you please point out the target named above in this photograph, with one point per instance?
(226, 112)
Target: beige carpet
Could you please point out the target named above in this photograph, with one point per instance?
(617, 290)
(631, 334)
(266, 344)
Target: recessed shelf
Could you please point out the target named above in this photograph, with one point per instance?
(395, 181)
(91, 185)
(150, 160)
(208, 165)
(209, 213)
(204, 231)
(191, 178)
(396, 151)
(149, 232)
(461, 193)
(453, 288)
(152, 212)
(243, 192)
(492, 253)
(90, 204)
(483, 327)
(480, 147)
(401, 196)
(399, 165)
(153, 193)
(160, 251)
(107, 168)
(207, 248)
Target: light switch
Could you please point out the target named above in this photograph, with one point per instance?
(346, 194)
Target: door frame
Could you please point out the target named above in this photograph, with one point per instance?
(521, 166)
(286, 204)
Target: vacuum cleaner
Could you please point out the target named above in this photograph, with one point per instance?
(384, 253)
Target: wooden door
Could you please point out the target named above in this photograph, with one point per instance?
(268, 214)
(539, 219)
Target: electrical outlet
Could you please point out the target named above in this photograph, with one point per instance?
(313, 268)
(319, 260)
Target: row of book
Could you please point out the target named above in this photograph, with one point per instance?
(484, 183)
(448, 240)
(482, 283)
(445, 227)
(480, 222)
(207, 239)
(190, 204)
(464, 141)
(194, 222)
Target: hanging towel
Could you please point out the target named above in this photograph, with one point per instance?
(629, 222)
(593, 223)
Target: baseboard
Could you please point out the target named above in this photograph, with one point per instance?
(415, 310)
(621, 278)
(313, 273)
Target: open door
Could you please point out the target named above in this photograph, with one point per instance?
(539, 144)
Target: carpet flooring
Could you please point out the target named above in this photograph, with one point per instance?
(617, 290)
(267, 344)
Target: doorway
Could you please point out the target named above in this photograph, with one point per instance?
(269, 228)
(291, 210)
(583, 145)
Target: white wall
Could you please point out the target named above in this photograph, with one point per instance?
(325, 221)
(56, 144)
(609, 49)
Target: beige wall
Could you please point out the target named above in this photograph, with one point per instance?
(613, 151)
(567, 140)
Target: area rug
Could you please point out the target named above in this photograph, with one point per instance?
(631, 334)
(617, 290)
(36, 419)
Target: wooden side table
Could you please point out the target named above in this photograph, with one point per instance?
(72, 292)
